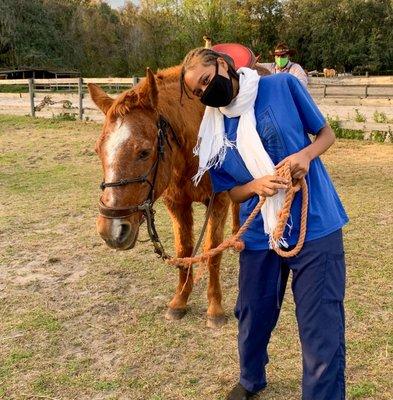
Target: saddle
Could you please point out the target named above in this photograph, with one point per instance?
(241, 55)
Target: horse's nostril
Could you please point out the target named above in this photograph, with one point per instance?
(124, 231)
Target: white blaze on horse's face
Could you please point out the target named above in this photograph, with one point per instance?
(116, 140)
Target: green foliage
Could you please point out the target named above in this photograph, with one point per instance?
(90, 36)
(334, 123)
(64, 117)
(378, 136)
(14, 89)
(380, 117)
(351, 134)
(359, 117)
(343, 34)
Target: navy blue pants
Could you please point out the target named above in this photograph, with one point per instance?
(318, 285)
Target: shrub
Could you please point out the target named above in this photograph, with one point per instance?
(380, 117)
(64, 117)
(359, 117)
(334, 123)
(378, 136)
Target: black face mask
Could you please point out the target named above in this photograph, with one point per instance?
(219, 91)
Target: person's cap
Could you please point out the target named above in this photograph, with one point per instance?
(282, 49)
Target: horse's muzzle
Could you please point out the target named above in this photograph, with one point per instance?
(118, 234)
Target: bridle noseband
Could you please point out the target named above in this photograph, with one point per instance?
(147, 206)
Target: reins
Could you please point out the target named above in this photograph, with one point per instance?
(235, 241)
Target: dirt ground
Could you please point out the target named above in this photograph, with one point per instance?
(81, 321)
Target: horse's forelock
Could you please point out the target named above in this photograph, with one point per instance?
(123, 105)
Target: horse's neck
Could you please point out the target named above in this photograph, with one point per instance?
(184, 115)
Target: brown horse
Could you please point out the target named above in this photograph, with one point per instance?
(128, 150)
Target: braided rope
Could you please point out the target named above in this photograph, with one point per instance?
(236, 243)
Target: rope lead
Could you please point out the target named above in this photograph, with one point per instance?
(235, 241)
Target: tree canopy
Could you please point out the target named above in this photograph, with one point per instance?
(90, 36)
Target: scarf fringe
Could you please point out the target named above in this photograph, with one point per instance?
(214, 162)
(275, 244)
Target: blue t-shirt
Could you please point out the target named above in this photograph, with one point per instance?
(285, 114)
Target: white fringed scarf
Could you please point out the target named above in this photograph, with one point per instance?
(212, 144)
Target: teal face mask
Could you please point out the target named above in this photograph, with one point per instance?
(281, 62)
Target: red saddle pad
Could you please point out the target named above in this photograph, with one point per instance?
(241, 55)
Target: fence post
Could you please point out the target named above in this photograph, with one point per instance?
(80, 93)
(31, 93)
(366, 90)
(134, 80)
(324, 90)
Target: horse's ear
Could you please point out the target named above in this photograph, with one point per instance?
(150, 89)
(100, 98)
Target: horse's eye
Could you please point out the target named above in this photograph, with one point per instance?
(143, 154)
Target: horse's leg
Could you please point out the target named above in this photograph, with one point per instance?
(235, 208)
(214, 236)
(182, 221)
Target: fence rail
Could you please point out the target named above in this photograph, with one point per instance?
(67, 81)
(351, 90)
(366, 126)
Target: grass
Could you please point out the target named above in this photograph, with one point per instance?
(81, 321)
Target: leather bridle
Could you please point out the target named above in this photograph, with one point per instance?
(147, 206)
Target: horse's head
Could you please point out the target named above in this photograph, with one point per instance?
(130, 148)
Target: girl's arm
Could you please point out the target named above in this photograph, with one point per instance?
(266, 186)
(300, 161)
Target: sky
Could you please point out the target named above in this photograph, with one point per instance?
(115, 3)
(119, 3)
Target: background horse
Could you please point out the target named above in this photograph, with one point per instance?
(129, 148)
(329, 73)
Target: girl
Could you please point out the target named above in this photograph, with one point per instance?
(250, 125)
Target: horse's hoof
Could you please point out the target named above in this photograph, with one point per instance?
(174, 314)
(216, 322)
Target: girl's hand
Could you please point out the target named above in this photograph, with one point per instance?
(268, 185)
(299, 162)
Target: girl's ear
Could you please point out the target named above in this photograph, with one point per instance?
(222, 63)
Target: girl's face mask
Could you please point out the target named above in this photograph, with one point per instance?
(281, 62)
(219, 91)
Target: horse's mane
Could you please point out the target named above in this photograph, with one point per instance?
(170, 75)
(137, 97)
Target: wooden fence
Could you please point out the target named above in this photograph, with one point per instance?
(335, 91)
(68, 85)
(351, 90)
